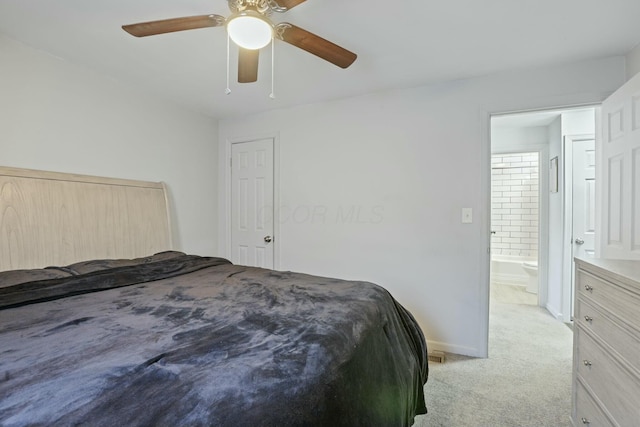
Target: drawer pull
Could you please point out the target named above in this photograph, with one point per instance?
(585, 421)
(588, 288)
(588, 319)
(586, 362)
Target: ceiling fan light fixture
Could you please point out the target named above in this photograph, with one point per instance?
(250, 29)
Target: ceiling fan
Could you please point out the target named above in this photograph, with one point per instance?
(251, 29)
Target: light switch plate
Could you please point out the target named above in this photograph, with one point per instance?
(467, 215)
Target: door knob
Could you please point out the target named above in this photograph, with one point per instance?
(579, 241)
(268, 239)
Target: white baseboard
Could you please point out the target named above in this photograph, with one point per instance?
(555, 312)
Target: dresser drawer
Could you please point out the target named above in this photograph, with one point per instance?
(615, 387)
(624, 340)
(623, 303)
(587, 413)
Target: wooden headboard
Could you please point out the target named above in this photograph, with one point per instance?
(50, 218)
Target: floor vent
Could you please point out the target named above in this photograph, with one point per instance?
(436, 357)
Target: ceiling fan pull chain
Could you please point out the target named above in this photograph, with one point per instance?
(272, 95)
(227, 90)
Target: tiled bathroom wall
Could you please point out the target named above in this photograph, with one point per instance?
(514, 204)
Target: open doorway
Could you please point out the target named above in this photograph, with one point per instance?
(532, 215)
(515, 224)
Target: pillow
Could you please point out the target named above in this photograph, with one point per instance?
(85, 267)
(15, 277)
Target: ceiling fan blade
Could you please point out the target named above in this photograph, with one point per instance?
(315, 44)
(152, 28)
(248, 65)
(288, 4)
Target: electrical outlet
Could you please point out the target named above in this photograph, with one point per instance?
(467, 215)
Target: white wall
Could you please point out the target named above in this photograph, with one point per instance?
(60, 117)
(409, 160)
(633, 62)
(579, 122)
(556, 224)
(508, 139)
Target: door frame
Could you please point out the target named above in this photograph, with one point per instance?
(567, 257)
(486, 113)
(225, 199)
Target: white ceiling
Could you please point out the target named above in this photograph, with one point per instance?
(399, 44)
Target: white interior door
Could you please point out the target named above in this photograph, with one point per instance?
(620, 160)
(252, 218)
(584, 194)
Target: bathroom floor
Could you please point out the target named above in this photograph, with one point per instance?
(512, 294)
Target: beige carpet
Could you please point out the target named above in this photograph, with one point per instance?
(526, 381)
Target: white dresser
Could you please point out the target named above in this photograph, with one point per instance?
(606, 352)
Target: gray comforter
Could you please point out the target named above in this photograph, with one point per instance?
(178, 339)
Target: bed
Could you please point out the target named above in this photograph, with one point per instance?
(140, 334)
